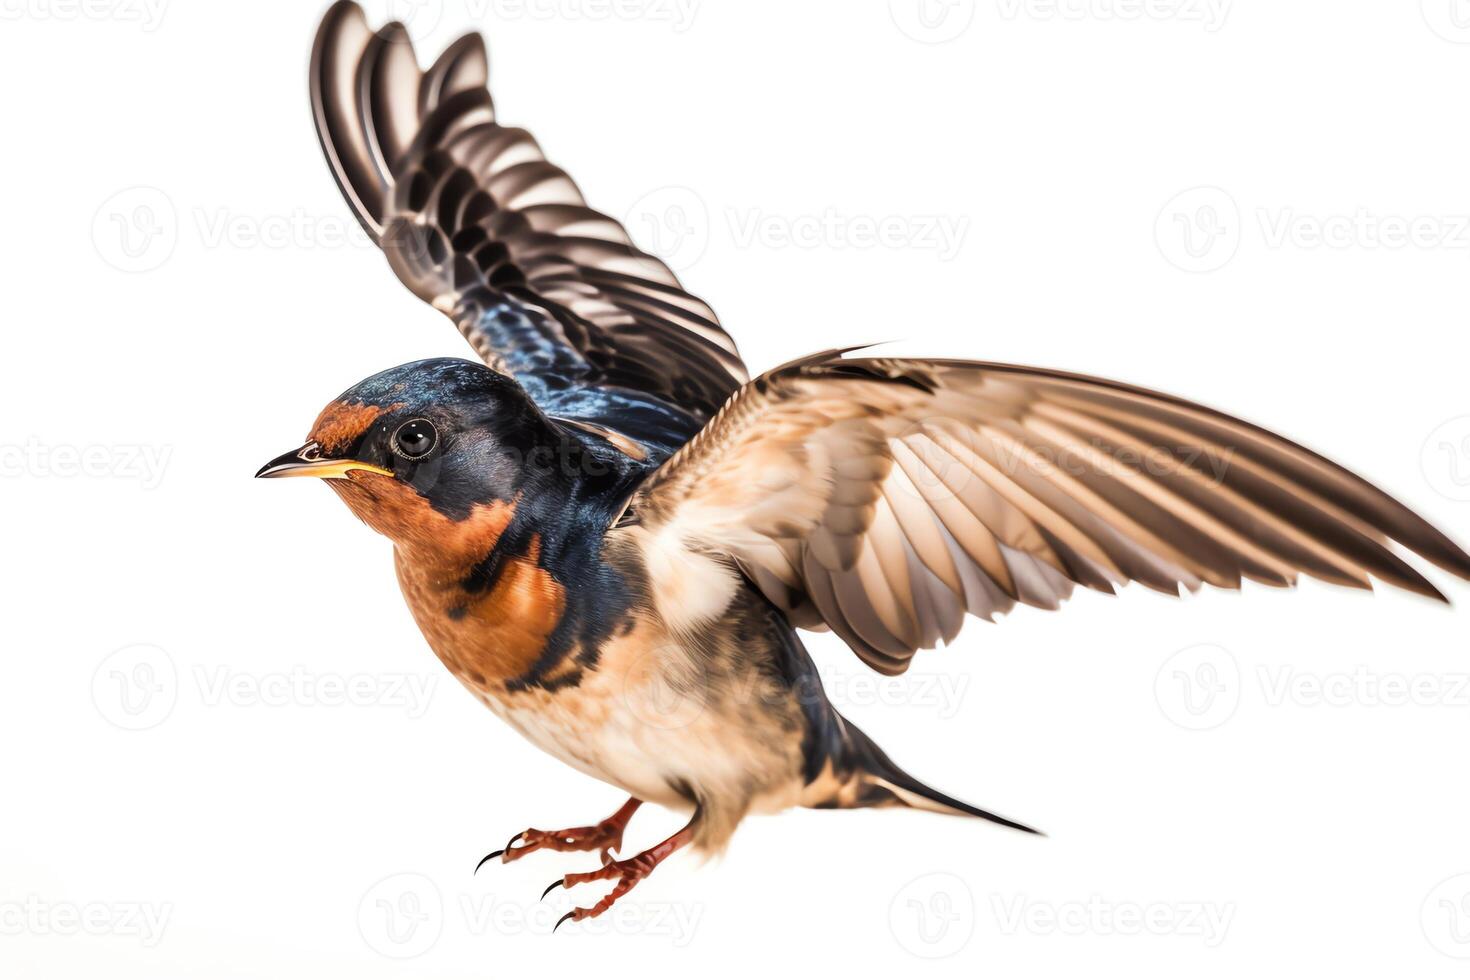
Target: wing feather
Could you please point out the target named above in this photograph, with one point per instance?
(478, 223)
(886, 498)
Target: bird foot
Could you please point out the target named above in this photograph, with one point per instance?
(605, 837)
(627, 872)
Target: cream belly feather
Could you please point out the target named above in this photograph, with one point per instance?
(653, 721)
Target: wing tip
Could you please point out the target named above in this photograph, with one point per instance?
(1450, 557)
(341, 16)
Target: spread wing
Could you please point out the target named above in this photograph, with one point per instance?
(886, 498)
(474, 220)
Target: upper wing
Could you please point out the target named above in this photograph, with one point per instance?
(475, 221)
(888, 497)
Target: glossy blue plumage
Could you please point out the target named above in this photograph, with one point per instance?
(564, 384)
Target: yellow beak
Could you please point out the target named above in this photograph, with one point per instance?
(308, 461)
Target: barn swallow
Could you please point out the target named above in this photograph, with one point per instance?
(611, 535)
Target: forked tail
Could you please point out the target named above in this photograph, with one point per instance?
(868, 778)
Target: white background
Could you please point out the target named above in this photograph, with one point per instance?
(1211, 811)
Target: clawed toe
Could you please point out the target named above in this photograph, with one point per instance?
(507, 853)
(605, 837)
(601, 838)
(627, 873)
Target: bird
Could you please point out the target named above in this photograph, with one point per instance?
(612, 535)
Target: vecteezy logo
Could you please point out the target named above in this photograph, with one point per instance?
(401, 916)
(1445, 917)
(1199, 229)
(1199, 687)
(933, 916)
(1450, 19)
(661, 694)
(135, 230)
(136, 687)
(1445, 458)
(672, 223)
(932, 21)
(929, 455)
(418, 17)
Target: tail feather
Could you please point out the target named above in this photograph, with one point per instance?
(879, 782)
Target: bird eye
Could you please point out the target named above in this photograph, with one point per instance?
(415, 439)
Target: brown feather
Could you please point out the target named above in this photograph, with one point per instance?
(887, 496)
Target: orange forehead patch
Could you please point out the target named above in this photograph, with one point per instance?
(341, 423)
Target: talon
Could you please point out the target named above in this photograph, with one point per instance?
(511, 843)
(555, 884)
(492, 854)
(570, 915)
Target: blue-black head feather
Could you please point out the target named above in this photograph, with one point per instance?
(491, 441)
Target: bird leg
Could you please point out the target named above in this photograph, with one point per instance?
(606, 836)
(627, 872)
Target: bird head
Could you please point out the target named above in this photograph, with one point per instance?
(423, 444)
